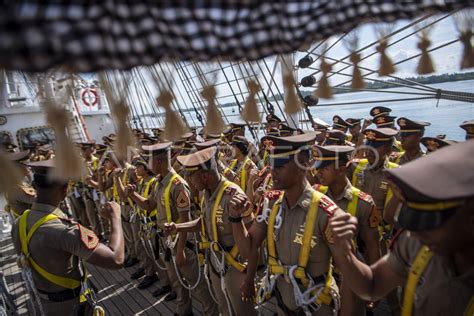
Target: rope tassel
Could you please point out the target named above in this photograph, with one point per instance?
(467, 54)
(174, 124)
(386, 65)
(69, 165)
(214, 122)
(121, 113)
(10, 176)
(425, 65)
(464, 22)
(357, 80)
(324, 88)
(292, 101)
(250, 112)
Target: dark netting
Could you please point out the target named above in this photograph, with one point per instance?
(91, 35)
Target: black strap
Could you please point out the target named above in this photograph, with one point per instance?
(62, 296)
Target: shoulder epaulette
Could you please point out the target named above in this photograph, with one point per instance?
(177, 181)
(273, 194)
(366, 197)
(327, 205)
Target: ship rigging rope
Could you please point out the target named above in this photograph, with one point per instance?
(141, 103)
(175, 82)
(195, 101)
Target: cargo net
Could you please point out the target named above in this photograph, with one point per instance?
(88, 36)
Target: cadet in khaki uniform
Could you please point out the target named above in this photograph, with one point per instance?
(21, 197)
(172, 201)
(89, 197)
(148, 221)
(331, 164)
(227, 274)
(242, 165)
(367, 174)
(295, 225)
(432, 256)
(59, 245)
(411, 133)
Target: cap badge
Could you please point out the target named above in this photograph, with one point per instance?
(370, 135)
(402, 123)
(376, 111)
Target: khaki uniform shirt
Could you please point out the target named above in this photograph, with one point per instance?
(440, 290)
(366, 214)
(402, 158)
(56, 246)
(179, 198)
(289, 239)
(371, 181)
(224, 227)
(20, 198)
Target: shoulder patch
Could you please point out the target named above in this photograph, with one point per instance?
(366, 197)
(176, 181)
(273, 194)
(327, 205)
(375, 218)
(182, 200)
(317, 186)
(88, 237)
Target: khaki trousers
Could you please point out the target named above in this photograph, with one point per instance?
(232, 279)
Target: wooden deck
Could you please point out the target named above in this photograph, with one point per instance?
(117, 293)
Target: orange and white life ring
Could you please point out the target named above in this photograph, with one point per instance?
(90, 97)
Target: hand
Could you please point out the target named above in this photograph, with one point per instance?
(110, 210)
(238, 205)
(169, 228)
(129, 189)
(366, 123)
(343, 228)
(117, 172)
(247, 290)
(180, 259)
(88, 179)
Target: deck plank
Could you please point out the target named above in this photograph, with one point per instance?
(117, 293)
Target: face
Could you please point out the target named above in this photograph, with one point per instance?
(141, 170)
(355, 130)
(456, 235)
(329, 174)
(199, 179)
(239, 132)
(288, 175)
(411, 141)
(109, 165)
(377, 154)
(321, 137)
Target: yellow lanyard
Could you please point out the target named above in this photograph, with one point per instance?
(422, 260)
(217, 202)
(25, 238)
(167, 196)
